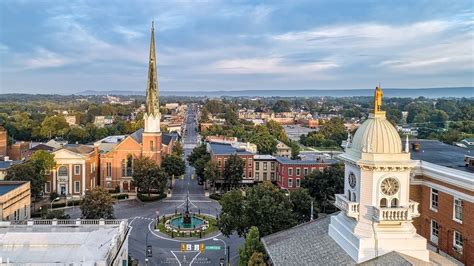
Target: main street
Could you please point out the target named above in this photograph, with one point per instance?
(142, 217)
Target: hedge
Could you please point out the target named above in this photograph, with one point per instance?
(69, 203)
(144, 197)
(215, 196)
(120, 196)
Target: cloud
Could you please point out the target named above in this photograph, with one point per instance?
(44, 58)
(127, 33)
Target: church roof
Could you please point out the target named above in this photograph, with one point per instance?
(79, 148)
(137, 135)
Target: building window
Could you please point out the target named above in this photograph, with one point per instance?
(290, 171)
(47, 185)
(264, 175)
(108, 184)
(290, 182)
(152, 145)
(457, 242)
(77, 169)
(219, 162)
(257, 166)
(305, 171)
(250, 162)
(272, 166)
(298, 171)
(225, 162)
(265, 166)
(394, 203)
(77, 186)
(383, 203)
(62, 171)
(434, 232)
(434, 199)
(108, 169)
(250, 173)
(257, 175)
(298, 182)
(129, 166)
(272, 175)
(458, 210)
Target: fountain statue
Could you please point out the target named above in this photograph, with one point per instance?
(187, 216)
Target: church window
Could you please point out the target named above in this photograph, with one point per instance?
(152, 145)
(62, 171)
(383, 203)
(354, 196)
(129, 165)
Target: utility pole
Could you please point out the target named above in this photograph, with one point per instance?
(311, 211)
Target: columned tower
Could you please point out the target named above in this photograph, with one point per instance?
(376, 211)
(152, 133)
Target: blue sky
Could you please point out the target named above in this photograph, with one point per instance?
(71, 46)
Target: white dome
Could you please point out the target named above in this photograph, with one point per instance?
(376, 135)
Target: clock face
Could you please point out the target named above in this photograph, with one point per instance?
(352, 180)
(390, 186)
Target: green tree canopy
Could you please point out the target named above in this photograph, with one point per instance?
(252, 244)
(233, 170)
(282, 106)
(147, 175)
(301, 201)
(324, 185)
(212, 172)
(97, 204)
(28, 171)
(43, 160)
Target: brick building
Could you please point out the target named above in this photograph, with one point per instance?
(76, 170)
(289, 173)
(264, 168)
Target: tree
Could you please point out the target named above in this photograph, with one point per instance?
(266, 143)
(233, 170)
(264, 206)
(257, 259)
(301, 201)
(281, 106)
(252, 244)
(173, 165)
(53, 126)
(212, 173)
(147, 175)
(97, 204)
(27, 171)
(77, 134)
(197, 153)
(335, 130)
(325, 184)
(178, 149)
(43, 160)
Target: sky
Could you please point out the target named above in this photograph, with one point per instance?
(66, 47)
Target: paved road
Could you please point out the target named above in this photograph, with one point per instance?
(168, 251)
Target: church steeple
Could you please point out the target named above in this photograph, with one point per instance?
(152, 100)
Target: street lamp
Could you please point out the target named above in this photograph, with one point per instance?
(52, 202)
(226, 250)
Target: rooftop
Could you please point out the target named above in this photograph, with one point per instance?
(263, 157)
(226, 149)
(286, 160)
(68, 242)
(310, 244)
(436, 152)
(5, 188)
(7, 164)
(79, 148)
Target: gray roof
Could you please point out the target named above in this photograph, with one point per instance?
(306, 244)
(167, 137)
(286, 160)
(226, 149)
(436, 152)
(137, 135)
(7, 186)
(79, 148)
(310, 244)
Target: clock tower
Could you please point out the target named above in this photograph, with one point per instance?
(376, 211)
(152, 132)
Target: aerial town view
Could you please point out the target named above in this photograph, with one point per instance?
(236, 132)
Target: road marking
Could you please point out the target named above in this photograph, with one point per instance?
(181, 240)
(175, 257)
(191, 263)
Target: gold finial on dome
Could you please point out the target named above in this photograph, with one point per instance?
(378, 99)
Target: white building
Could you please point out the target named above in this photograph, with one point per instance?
(69, 242)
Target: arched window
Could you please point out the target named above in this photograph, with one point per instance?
(383, 203)
(62, 171)
(354, 198)
(129, 165)
(152, 145)
(394, 203)
(349, 195)
(124, 167)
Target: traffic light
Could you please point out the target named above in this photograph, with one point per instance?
(149, 252)
(183, 247)
(202, 247)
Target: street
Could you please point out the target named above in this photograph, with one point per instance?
(165, 250)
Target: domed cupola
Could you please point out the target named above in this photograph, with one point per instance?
(376, 135)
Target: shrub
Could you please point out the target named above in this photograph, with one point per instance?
(145, 198)
(69, 203)
(215, 196)
(120, 196)
(53, 195)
